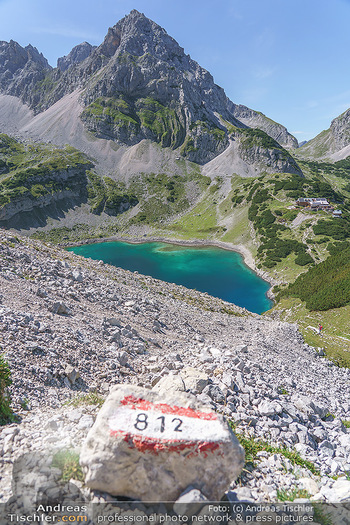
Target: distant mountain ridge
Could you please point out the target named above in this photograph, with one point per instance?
(256, 119)
(139, 84)
(332, 143)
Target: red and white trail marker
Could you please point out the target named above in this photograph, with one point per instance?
(156, 427)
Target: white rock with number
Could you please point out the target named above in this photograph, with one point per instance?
(151, 446)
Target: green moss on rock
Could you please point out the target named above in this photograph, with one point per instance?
(114, 110)
(161, 120)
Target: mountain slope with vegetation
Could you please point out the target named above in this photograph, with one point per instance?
(35, 176)
(322, 296)
(257, 213)
(326, 285)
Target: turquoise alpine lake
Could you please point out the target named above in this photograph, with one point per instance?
(221, 273)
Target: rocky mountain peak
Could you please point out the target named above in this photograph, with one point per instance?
(136, 13)
(111, 42)
(256, 119)
(14, 57)
(77, 55)
(155, 91)
(34, 55)
(21, 68)
(340, 128)
(136, 34)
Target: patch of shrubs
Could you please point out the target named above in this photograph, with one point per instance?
(326, 285)
(297, 186)
(277, 249)
(268, 263)
(108, 195)
(252, 191)
(339, 229)
(260, 196)
(237, 199)
(295, 182)
(175, 187)
(272, 247)
(303, 258)
(341, 168)
(337, 247)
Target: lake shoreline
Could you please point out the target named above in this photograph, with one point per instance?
(238, 248)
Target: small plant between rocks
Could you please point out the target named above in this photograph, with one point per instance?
(252, 446)
(6, 414)
(291, 495)
(86, 399)
(68, 462)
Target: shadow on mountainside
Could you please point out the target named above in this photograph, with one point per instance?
(38, 217)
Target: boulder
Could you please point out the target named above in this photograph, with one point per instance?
(309, 407)
(61, 309)
(112, 321)
(194, 380)
(215, 352)
(41, 293)
(309, 485)
(123, 358)
(151, 446)
(170, 382)
(77, 276)
(190, 502)
(341, 488)
(214, 392)
(267, 408)
(71, 373)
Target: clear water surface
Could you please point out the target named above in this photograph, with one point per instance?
(219, 272)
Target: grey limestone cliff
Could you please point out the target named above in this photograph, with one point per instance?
(22, 69)
(340, 129)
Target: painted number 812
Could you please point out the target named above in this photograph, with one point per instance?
(142, 422)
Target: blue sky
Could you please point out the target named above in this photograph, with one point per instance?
(286, 58)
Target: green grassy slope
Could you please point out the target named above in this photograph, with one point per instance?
(335, 337)
(319, 147)
(322, 295)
